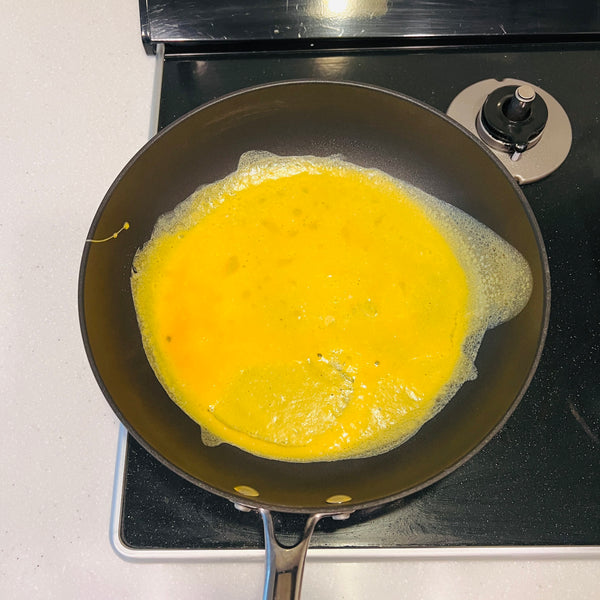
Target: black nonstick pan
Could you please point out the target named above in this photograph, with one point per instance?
(371, 127)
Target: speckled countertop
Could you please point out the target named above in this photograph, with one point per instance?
(76, 92)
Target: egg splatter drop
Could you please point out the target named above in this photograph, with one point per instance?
(307, 309)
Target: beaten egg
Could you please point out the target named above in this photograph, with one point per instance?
(307, 309)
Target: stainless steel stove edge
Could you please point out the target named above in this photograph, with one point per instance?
(321, 554)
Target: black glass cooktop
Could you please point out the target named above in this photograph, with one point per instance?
(536, 483)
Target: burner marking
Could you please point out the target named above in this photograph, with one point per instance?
(583, 424)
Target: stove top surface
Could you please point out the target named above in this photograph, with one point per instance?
(536, 483)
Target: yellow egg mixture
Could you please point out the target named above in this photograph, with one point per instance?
(305, 309)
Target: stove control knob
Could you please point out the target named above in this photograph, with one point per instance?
(518, 107)
(512, 119)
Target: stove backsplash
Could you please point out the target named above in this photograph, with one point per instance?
(322, 23)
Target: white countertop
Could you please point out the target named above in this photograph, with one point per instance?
(76, 92)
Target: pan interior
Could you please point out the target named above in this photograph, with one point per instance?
(371, 128)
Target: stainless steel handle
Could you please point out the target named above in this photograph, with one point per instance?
(285, 566)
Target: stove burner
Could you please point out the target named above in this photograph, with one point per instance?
(525, 127)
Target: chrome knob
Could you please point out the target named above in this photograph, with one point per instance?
(512, 119)
(518, 108)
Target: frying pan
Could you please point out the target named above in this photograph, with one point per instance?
(371, 127)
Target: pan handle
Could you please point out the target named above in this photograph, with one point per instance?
(284, 568)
